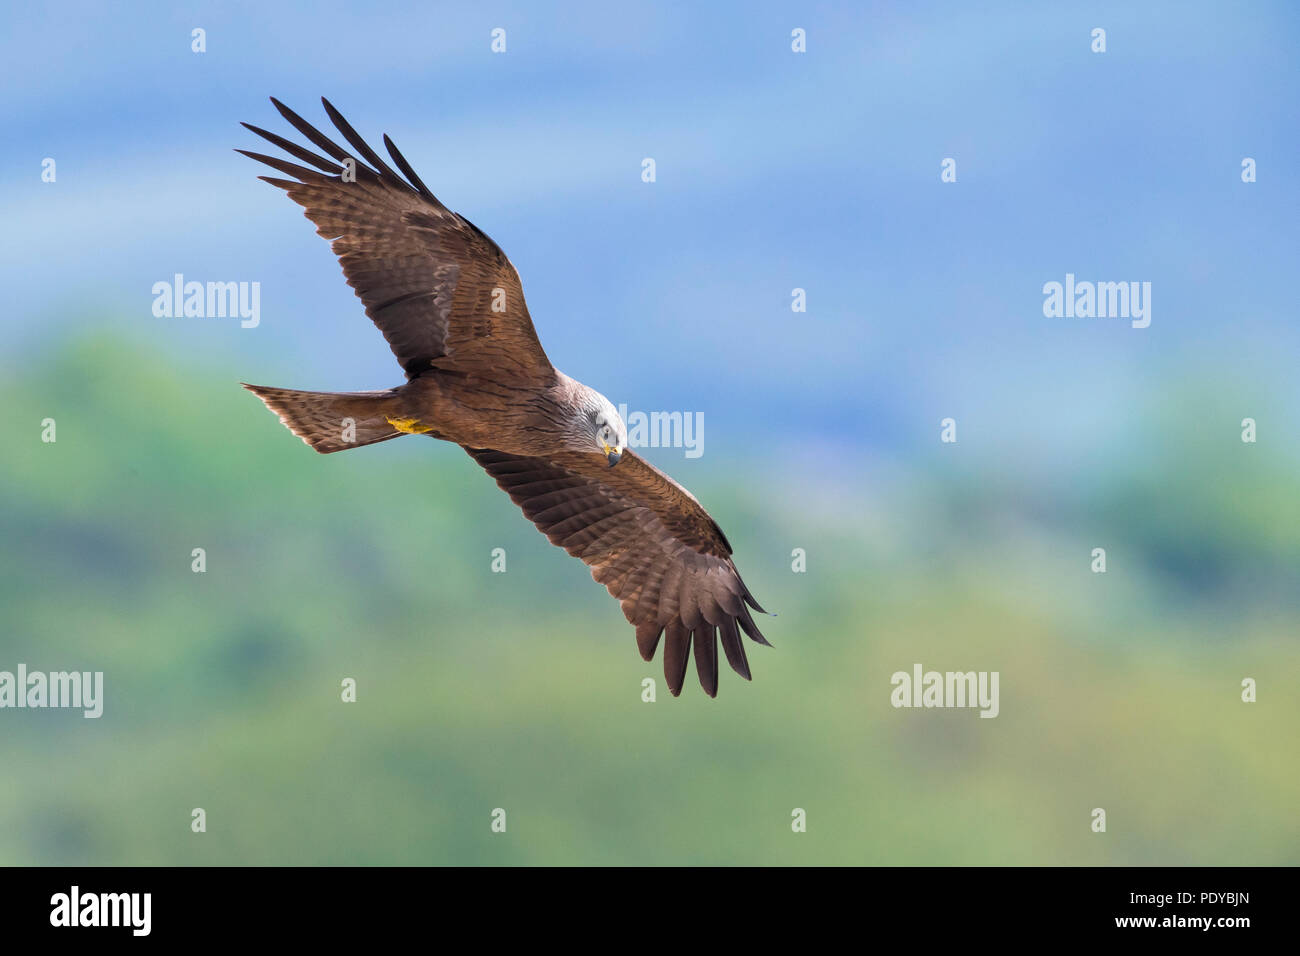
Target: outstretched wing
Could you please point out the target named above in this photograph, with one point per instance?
(650, 543)
(441, 291)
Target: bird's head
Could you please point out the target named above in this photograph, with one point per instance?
(608, 433)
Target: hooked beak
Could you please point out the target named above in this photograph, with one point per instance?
(613, 454)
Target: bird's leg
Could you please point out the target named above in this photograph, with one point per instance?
(410, 426)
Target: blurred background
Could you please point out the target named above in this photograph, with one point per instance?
(776, 170)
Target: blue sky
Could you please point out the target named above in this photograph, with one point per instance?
(775, 170)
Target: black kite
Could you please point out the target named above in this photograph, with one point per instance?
(451, 306)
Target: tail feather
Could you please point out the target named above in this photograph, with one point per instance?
(334, 421)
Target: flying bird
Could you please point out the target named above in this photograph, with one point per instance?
(452, 308)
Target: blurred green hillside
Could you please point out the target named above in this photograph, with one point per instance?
(523, 690)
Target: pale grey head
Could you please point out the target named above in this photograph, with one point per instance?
(599, 426)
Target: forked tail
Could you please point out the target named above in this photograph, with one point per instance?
(336, 421)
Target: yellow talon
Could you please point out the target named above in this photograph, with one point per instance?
(410, 426)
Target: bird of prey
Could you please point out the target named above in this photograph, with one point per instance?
(451, 306)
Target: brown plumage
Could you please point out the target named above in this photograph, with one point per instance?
(452, 308)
